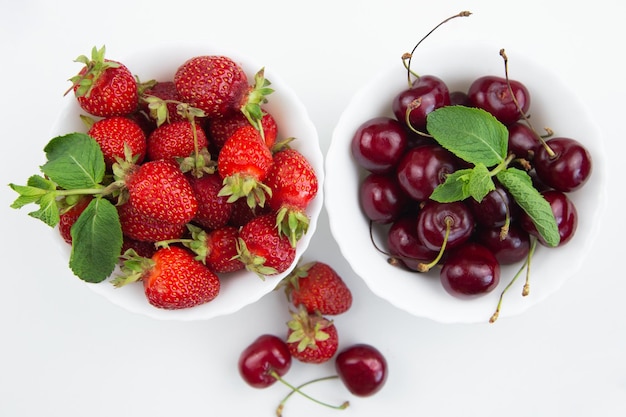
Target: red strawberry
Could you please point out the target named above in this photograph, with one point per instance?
(142, 248)
(165, 90)
(104, 87)
(69, 215)
(294, 184)
(243, 163)
(175, 140)
(221, 128)
(218, 86)
(217, 248)
(140, 227)
(159, 190)
(311, 338)
(214, 211)
(116, 132)
(318, 288)
(262, 249)
(242, 213)
(172, 278)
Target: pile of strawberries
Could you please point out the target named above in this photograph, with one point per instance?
(201, 184)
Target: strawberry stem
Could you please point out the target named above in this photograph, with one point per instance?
(297, 389)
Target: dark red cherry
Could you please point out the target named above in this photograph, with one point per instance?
(423, 168)
(381, 198)
(378, 144)
(568, 169)
(494, 209)
(522, 140)
(470, 271)
(267, 355)
(564, 212)
(362, 368)
(432, 93)
(491, 93)
(435, 218)
(405, 246)
(460, 98)
(511, 248)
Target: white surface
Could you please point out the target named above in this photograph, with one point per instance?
(552, 104)
(240, 288)
(66, 351)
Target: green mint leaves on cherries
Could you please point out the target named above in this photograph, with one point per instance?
(477, 137)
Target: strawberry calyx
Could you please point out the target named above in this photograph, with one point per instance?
(133, 268)
(257, 96)
(242, 185)
(253, 263)
(292, 281)
(94, 67)
(307, 329)
(293, 223)
(197, 243)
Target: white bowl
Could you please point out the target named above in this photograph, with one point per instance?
(241, 288)
(553, 104)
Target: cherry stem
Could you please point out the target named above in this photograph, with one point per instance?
(410, 56)
(425, 267)
(294, 389)
(533, 245)
(504, 230)
(407, 119)
(525, 265)
(526, 119)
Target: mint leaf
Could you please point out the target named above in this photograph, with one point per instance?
(38, 190)
(472, 134)
(519, 184)
(96, 241)
(48, 210)
(473, 182)
(75, 161)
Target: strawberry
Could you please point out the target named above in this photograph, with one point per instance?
(159, 190)
(216, 248)
(165, 90)
(243, 163)
(214, 211)
(116, 132)
(137, 226)
(218, 86)
(221, 128)
(294, 184)
(143, 248)
(104, 87)
(262, 249)
(242, 213)
(317, 287)
(70, 214)
(172, 278)
(175, 140)
(311, 338)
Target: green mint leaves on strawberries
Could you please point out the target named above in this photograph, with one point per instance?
(477, 137)
(74, 167)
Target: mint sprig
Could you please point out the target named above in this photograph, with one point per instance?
(74, 167)
(477, 137)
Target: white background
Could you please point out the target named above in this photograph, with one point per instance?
(66, 351)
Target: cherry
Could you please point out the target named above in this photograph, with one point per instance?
(491, 93)
(495, 209)
(508, 248)
(381, 198)
(264, 361)
(522, 140)
(404, 245)
(423, 168)
(563, 164)
(470, 271)
(362, 368)
(426, 94)
(444, 224)
(378, 144)
(460, 98)
(564, 212)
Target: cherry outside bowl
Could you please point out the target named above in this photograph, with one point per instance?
(553, 104)
(241, 288)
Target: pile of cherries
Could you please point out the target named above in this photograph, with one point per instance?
(403, 164)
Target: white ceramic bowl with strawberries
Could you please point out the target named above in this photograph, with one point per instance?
(553, 104)
(240, 288)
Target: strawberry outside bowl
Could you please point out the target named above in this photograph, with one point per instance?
(553, 104)
(238, 289)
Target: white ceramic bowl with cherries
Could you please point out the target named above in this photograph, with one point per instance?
(241, 288)
(552, 104)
